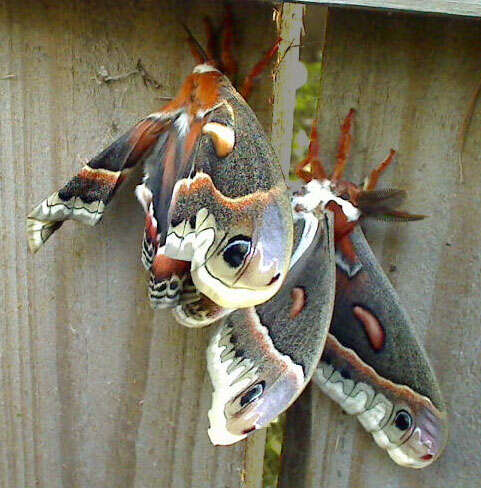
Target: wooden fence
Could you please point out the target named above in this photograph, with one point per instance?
(411, 79)
(98, 391)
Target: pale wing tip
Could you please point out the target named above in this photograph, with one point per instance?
(226, 385)
(34, 234)
(218, 433)
(38, 232)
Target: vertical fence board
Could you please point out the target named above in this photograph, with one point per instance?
(95, 389)
(411, 80)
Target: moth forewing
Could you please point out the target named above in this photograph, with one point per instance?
(213, 192)
(239, 207)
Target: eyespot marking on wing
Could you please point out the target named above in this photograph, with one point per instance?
(401, 421)
(253, 394)
(373, 328)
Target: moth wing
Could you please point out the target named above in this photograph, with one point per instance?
(260, 359)
(374, 366)
(86, 195)
(169, 162)
(232, 217)
(172, 202)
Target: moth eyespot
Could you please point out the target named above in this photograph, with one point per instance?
(403, 420)
(253, 394)
(236, 251)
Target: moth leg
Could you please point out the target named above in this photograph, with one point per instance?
(228, 61)
(346, 258)
(211, 45)
(316, 170)
(372, 180)
(344, 146)
(85, 197)
(253, 76)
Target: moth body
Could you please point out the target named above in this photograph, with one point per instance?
(213, 193)
(317, 194)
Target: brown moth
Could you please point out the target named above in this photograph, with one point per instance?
(216, 203)
(372, 364)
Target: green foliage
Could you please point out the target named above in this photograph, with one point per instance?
(272, 455)
(306, 98)
(306, 107)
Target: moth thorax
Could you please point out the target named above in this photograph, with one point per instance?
(317, 194)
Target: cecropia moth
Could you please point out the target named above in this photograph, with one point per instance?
(261, 358)
(214, 195)
(372, 363)
(218, 244)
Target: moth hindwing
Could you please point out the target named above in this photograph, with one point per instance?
(375, 368)
(261, 358)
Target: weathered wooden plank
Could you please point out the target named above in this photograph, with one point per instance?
(411, 79)
(470, 8)
(290, 22)
(95, 389)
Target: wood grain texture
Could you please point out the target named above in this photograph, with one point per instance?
(410, 79)
(470, 8)
(95, 389)
(290, 22)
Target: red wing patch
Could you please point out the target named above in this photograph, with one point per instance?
(164, 267)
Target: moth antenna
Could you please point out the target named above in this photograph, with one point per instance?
(197, 51)
(392, 195)
(398, 216)
(382, 204)
(211, 44)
